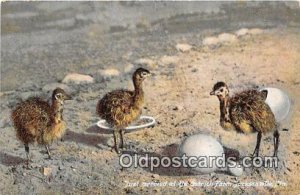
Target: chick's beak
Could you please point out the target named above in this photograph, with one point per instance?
(68, 97)
(212, 93)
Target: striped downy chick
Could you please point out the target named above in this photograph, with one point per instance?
(246, 112)
(36, 121)
(121, 107)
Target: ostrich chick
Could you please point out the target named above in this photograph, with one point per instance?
(246, 112)
(36, 121)
(121, 107)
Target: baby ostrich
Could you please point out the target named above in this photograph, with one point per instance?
(36, 121)
(121, 107)
(246, 112)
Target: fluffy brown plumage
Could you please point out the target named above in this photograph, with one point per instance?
(121, 107)
(246, 112)
(36, 121)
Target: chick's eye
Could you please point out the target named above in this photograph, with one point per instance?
(221, 90)
(58, 96)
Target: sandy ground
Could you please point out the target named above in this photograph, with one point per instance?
(177, 95)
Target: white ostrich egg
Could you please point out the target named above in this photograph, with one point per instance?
(235, 169)
(204, 148)
(279, 103)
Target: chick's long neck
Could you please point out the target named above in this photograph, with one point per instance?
(224, 110)
(138, 92)
(57, 108)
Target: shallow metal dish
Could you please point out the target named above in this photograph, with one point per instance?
(103, 124)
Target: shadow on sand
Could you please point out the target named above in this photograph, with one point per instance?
(86, 139)
(96, 129)
(10, 160)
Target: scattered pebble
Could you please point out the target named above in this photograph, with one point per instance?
(178, 107)
(209, 41)
(191, 181)
(146, 62)
(194, 70)
(255, 31)
(167, 60)
(242, 32)
(183, 47)
(46, 171)
(61, 167)
(77, 78)
(109, 72)
(296, 153)
(155, 176)
(227, 38)
(128, 68)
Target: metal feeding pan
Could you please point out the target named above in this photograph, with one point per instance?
(147, 121)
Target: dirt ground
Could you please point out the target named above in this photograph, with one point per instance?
(177, 96)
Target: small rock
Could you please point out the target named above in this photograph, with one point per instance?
(296, 153)
(46, 171)
(110, 72)
(210, 41)
(191, 181)
(178, 107)
(242, 32)
(146, 62)
(167, 60)
(155, 176)
(51, 86)
(128, 68)
(71, 159)
(194, 70)
(227, 38)
(77, 78)
(61, 167)
(35, 165)
(183, 47)
(255, 31)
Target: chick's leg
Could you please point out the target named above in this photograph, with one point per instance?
(116, 135)
(122, 132)
(256, 151)
(276, 143)
(27, 152)
(48, 151)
